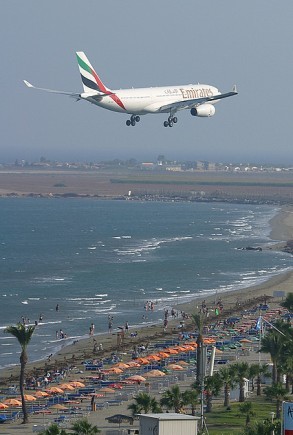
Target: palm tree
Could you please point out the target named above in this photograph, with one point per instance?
(253, 371)
(241, 372)
(212, 385)
(275, 343)
(83, 427)
(172, 399)
(23, 334)
(276, 391)
(227, 375)
(263, 370)
(199, 324)
(246, 408)
(53, 429)
(144, 402)
(190, 397)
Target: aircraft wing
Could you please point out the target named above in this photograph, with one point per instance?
(70, 94)
(188, 104)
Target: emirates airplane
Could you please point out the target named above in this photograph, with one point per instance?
(199, 98)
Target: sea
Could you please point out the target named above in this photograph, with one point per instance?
(68, 263)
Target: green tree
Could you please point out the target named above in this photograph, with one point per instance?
(227, 375)
(212, 386)
(172, 399)
(144, 402)
(263, 370)
(241, 373)
(83, 427)
(53, 429)
(276, 391)
(275, 342)
(23, 334)
(190, 397)
(247, 409)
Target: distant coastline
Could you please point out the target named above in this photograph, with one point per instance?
(143, 185)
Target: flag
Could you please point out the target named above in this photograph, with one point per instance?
(258, 323)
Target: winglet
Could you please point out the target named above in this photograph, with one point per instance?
(28, 84)
(234, 89)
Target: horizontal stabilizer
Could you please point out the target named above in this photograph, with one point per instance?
(70, 94)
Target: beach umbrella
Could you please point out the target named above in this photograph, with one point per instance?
(29, 398)
(114, 370)
(171, 351)
(132, 364)
(121, 365)
(174, 367)
(55, 390)
(59, 407)
(164, 354)
(136, 378)
(41, 394)
(120, 418)
(12, 402)
(3, 406)
(154, 357)
(183, 363)
(143, 361)
(66, 387)
(245, 340)
(154, 374)
(181, 348)
(77, 384)
(107, 390)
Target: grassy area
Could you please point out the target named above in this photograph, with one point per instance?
(166, 181)
(220, 421)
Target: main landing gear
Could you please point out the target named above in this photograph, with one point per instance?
(133, 120)
(171, 120)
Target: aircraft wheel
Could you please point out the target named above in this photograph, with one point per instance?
(133, 122)
(166, 123)
(175, 119)
(170, 123)
(137, 118)
(128, 122)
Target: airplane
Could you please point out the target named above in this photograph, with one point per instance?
(199, 98)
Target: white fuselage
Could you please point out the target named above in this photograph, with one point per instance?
(141, 101)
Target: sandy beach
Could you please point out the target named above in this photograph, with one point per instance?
(74, 355)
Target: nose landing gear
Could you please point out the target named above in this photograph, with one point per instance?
(133, 120)
(171, 120)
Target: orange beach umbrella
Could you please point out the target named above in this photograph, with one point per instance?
(41, 394)
(66, 387)
(77, 384)
(174, 367)
(3, 406)
(12, 402)
(55, 390)
(137, 378)
(154, 374)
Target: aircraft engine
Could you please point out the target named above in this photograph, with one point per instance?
(204, 110)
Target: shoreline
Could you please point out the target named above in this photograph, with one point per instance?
(74, 354)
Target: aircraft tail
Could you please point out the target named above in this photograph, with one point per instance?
(90, 79)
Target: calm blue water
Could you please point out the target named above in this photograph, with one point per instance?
(96, 258)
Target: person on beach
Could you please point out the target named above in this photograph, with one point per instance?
(57, 307)
(126, 327)
(110, 326)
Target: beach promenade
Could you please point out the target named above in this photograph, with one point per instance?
(99, 373)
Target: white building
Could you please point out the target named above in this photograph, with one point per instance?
(167, 424)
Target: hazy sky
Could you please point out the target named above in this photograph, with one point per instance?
(139, 44)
